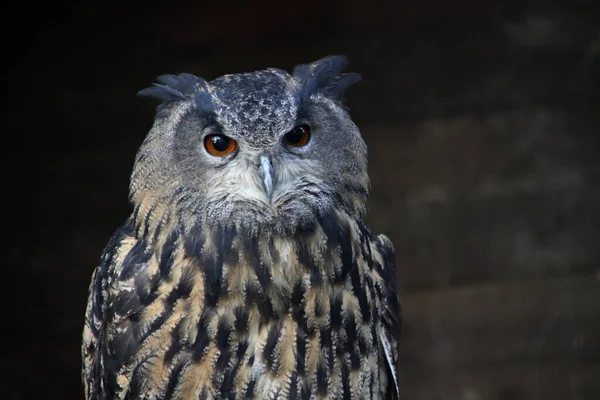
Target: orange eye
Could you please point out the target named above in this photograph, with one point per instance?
(299, 136)
(219, 145)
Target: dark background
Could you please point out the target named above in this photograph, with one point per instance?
(482, 120)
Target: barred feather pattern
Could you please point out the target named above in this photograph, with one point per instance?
(190, 311)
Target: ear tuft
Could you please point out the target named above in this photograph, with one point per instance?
(176, 87)
(325, 76)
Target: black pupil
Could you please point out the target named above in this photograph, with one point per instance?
(220, 142)
(296, 135)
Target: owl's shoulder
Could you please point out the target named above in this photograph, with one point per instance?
(389, 325)
(121, 285)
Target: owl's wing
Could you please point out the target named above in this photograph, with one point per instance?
(390, 323)
(120, 286)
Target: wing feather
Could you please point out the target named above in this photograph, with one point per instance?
(390, 324)
(109, 334)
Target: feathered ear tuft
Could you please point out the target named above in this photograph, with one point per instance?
(324, 76)
(163, 93)
(177, 87)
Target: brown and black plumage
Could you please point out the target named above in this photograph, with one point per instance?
(246, 270)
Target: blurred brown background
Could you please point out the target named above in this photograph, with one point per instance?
(482, 120)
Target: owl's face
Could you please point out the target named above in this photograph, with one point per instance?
(255, 149)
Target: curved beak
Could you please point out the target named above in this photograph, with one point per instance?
(266, 175)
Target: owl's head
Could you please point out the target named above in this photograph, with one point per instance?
(253, 149)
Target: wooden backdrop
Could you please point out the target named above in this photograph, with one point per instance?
(482, 120)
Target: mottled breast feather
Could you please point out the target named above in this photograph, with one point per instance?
(213, 313)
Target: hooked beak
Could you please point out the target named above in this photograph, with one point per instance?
(266, 175)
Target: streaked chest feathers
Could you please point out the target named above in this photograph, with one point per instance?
(217, 313)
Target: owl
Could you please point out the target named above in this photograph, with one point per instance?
(246, 269)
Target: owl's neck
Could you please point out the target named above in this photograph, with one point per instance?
(262, 267)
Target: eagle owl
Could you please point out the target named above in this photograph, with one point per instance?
(246, 269)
